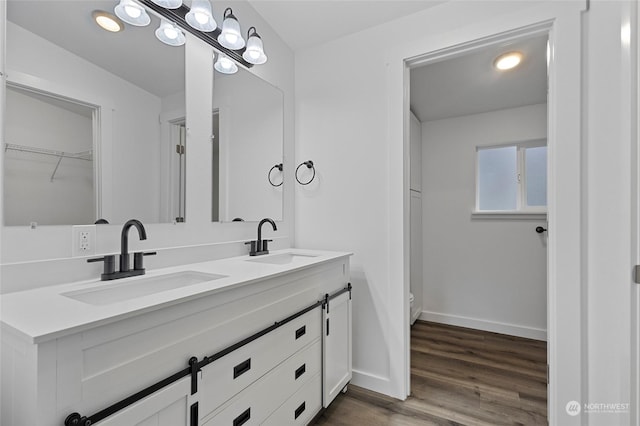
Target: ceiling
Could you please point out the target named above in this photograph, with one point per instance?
(462, 85)
(133, 54)
(469, 84)
(305, 23)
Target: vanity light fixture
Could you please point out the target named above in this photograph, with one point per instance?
(254, 53)
(170, 34)
(508, 61)
(132, 13)
(107, 21)
(168, 4)
(200, 16)
(230, 37)
(227, 40)
(225, 65)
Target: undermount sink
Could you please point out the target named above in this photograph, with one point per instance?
(281, 259)
(139, 287)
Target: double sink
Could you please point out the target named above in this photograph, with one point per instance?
(131, 288)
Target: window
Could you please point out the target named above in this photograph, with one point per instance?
(512, 178)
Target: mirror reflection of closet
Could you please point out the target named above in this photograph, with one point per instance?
(130, 89)
(49, 161)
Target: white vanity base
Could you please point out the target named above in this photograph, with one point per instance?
(279, 377)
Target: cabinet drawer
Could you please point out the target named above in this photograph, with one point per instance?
(253, 405)
(300, 408)
(229, 375)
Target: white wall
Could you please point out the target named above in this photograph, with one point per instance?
(32, 258)
(44, 188)
(489, 274)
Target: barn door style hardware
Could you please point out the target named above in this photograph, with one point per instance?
(637, 274)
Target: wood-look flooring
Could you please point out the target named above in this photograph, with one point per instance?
(459, 376)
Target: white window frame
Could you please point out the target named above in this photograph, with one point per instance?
(522, 211)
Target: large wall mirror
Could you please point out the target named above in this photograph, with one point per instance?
(248, 134)
(96, 125)
(94, 119)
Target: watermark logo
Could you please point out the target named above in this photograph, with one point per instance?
(573, 408)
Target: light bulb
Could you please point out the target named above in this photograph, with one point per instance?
(231, 38)
(171, 33)
(132, 11)
(508, 61)
(225, 65)
(107, 21)
(254, 53)
(202, 18)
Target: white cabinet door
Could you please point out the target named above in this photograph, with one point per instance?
(336, 347)
(170, 406)
(416, 260)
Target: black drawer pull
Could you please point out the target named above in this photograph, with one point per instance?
(299, 411)
(242, 418)
(194, 414)
(241, 368)
(301, 332)
(300, 371)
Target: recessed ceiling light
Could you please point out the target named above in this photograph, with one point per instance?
(107, 21)
(508, 61)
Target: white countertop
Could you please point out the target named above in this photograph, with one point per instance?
(45, 313)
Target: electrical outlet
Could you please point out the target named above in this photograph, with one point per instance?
(83, 240)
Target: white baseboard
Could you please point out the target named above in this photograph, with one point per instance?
(415, 315)
(480, 324)
(371, 381)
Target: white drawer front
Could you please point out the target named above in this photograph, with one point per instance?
(229, 375)
(257, 402)
(300, 408)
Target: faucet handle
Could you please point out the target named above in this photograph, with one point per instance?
(265, 246)
(109, 263)
(137, 259)
(253, 249)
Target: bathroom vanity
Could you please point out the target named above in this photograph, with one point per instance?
(244, 340)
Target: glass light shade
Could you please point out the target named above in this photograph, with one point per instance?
(230, 37)
(225, 65)
(254, 54)
(132, 13)
(107, 21)
(200, 16)
(168, 4)
(170, 34)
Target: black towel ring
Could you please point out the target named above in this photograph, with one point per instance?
(309, 165)
(279, 167)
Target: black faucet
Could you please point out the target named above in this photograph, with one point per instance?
(125, 271)
(260, 246)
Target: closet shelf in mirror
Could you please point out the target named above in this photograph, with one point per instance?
(83, 155)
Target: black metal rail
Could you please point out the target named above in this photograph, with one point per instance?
(75, 419)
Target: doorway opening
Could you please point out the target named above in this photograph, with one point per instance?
(478, 192)
(50, 163)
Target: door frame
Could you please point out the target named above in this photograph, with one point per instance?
(565, 313)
